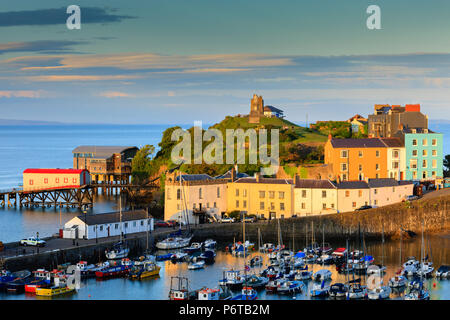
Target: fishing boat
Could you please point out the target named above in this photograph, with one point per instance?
(380, 293)
(256, 261)
(320, 290)
(338, 290)
(442, 272)
(209, 244)
(21, 279)
(194, 247)
(267, 248)
(180, 291)
(272, 285)
(247, 293)
(5, 277)
(60, 287)
(232, 279)
(196, 265)
(164, 257)
(339, 252)
(116, 270)
(41, 278)
(288, 287)
(146, 270)
(256, 282)
(85, 268)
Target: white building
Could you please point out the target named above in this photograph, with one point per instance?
(108, 224)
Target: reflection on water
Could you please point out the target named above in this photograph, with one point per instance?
(158, 288)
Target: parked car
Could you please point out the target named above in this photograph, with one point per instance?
(162, 224)
(363, 208)
(250, 219)
(36, 242)
(411, 198)
(227, 220)
(173, 223)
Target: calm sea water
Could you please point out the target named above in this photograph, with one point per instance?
(158, 288)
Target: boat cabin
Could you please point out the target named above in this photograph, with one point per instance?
(209, 294)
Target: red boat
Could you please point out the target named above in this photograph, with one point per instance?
(112, 272)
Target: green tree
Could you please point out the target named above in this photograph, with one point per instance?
(447, 166)
(141, 164)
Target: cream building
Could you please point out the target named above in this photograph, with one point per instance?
(384, 192)
(352, 195)
(314, 197)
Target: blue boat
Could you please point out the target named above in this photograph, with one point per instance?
(246, 294)
(164, 257)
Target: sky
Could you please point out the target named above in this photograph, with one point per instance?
(178, 61)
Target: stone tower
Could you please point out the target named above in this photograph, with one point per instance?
(256, 109)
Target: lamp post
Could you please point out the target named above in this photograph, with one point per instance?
(85, 222)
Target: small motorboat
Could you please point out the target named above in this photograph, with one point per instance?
(356, 290)
(443, 272)
(418, 293)
(246, 294)
(256, 261)
(232, 279)
(196, 265)
(325, 259)
(339, 252)
(338, 290)
(209, 244)
(164, 257)
(425, 269)
(119, 251)
(85, 268)
(320, 289)
(116, 270)
(411, 261)
(272, 285)
(60, 287)
(208, 256)
(179, 256)
(289, 287)
(5, 277)
(397, 281)
(376, 269)
(379, 293)
(256, 282)
(303, 274)
(213, 294)
(145, 270)
(18, 284)
(409, 270)
(174, 241)
(42, 278)
(322, 275)
(194, 247)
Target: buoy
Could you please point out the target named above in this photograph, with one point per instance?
(434, 285)
(89, 295)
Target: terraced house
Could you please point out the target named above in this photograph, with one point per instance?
(264, 197)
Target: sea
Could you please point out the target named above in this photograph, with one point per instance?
(50, 146)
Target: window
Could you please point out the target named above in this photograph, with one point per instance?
(360, 154)
(377, 153)
(347, 193)
(31, 182)
(218, 192)
(324, 193)
(74, 180)
(377, 176)
(262, 194)
(271, 194)
(343, 167)
(395, 153)
(116, 226)
(424, 152)
(142, 223)
(200, 193)
(414, 153)
(134, 223)
(281, 195)
(282, 206)
(332, 206)
(45, 180)
(414, 142)
(324, 206)
(244, 203)
(395, 165)
(244, 192)
(377, 166)
(303, 205)
(433, 173)
(424, 163)
(126, 224)
(413, 163)
(272, 206)
(360, 193)
(344, 153)
(424, 175)
(237, 203)
(344, 177)
(360, 167)
(434, 142)
(168, 194)
(56, 180)
(303, 193)
(194, 206)
(215, 205)
(261, 205)
(207, 205)
(393, 189)
(375, 191)
(434, 153)
(424, 142)
(178, 194)
(66, 180)
(101, 228)
(434, 163)
(375, 202)
(237, 192)
(353, 204)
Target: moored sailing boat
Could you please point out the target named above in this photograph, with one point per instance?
(120, 250)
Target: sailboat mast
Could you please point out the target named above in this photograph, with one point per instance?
(382, 246)
(401, 236)
(293, 248)
(120, 215)
(323, 242)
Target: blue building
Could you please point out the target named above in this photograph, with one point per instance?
(424, 154)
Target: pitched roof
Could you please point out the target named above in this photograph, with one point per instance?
(113, 217)
(353, 185)
(102, 152)
(357, 143)
(264, 180)
(314, 184)
(193, 177)
(383, 182)
(227, 175)
(392, 142)
(55, 171)
(418, 130)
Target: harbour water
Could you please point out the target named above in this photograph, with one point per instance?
(158, 288)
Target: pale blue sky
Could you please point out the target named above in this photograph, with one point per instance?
(180, 61)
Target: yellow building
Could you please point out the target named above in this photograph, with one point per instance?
(264, 197)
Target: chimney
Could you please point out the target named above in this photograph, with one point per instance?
(330, 136)
(233, 174)
(296, 179)
(258, 176)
